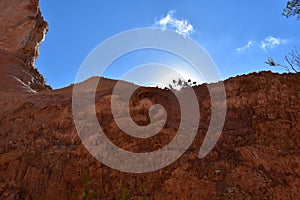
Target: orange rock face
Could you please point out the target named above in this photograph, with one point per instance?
(22, 28)
(42, 157)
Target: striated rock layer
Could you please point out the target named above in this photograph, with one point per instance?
(42, 157)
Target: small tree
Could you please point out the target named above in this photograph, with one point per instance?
(292, 8)
(179, 83)
(292, 61)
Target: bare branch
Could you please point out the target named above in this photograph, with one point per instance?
(290, 64)
(292, 60)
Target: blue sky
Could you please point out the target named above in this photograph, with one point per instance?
(238, 35)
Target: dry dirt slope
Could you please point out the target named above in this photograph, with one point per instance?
(42, 157)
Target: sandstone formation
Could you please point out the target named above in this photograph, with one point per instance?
(22, 29)
(42, 156)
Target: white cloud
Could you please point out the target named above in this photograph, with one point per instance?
(244, 48)
(182, 27)
(270, 42)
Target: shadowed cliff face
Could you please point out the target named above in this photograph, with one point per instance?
(42, 157)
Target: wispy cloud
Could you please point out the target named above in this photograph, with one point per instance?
(270, 42)
(244, 48)
(182, 27)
